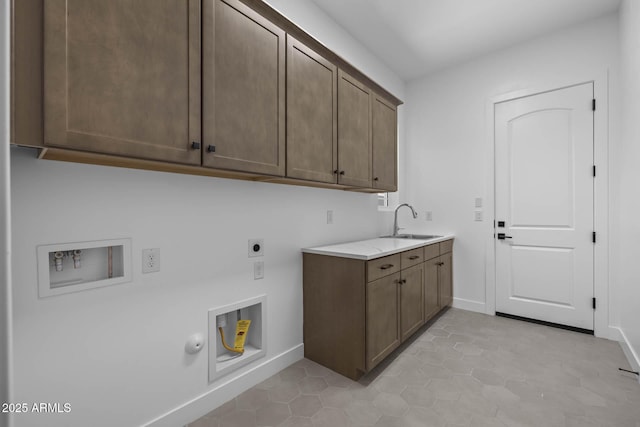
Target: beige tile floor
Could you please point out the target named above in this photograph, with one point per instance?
(464, 369)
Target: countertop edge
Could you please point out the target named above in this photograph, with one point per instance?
(326, 250)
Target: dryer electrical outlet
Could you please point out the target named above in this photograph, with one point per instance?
(256, 247)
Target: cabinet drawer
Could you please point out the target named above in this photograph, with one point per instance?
(431, 251)
(410, 258)
(446, 246)
(381, 267)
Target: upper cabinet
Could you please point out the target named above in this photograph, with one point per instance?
(122, 77)
(354, 131)
(226, 88)
(384, 144)
(312, 105)
(243, 89)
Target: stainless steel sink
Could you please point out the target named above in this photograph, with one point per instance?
(413, 236)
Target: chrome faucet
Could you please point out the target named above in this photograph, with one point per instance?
(395, 219)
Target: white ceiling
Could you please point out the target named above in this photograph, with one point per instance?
(417, 37)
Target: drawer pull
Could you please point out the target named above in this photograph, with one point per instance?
(386, 266)
(414, 257)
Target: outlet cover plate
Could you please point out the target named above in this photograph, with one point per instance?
(150, 260)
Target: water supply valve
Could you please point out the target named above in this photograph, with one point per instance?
(76, 258)
(57, 260)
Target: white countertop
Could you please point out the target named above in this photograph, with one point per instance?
(373, 248)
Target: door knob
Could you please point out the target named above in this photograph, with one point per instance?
(502, 236)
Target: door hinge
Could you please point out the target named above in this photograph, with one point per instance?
(593, 105)
(594, 170)
(593, 237)
(593, 301)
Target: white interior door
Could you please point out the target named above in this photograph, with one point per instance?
(544, 195)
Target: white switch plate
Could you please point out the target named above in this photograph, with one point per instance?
(258, 270)
(478, 202)
(329, 217)
(478, 215)
(150, 260)
(428, 215)
(256, 247)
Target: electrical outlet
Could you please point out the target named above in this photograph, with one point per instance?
(329, 217)
(258, 270)
(150, 260)
(256, 247)
(428, 215)
(478, 215)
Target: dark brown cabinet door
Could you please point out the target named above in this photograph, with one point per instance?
(354, 132)
(431, 292)
(383, 329)
(123, 77)
(445, 280)
(312, 115)
(384, 143)
(411, 300)
(243, 90)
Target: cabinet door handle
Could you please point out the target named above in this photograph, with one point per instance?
(336, 171)
(211, 149)
(414, 257)
(386, 266)
(403, 281)
(440, 263)
(195, 145)
(375, 179)
(341, 172)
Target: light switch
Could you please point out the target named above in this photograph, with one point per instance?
(258, 270)
(428, 215)
(478, 202)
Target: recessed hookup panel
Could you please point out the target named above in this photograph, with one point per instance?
(236, 334)
(72, 267)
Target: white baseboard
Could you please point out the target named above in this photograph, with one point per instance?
(225, 391)
(469, 305)
(632, 355)
(612, 333)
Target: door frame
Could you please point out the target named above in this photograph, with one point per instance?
(602, 322)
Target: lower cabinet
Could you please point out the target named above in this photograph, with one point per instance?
(382, 323)
(445, 280)
(431, 292)
(438, 279)
(411, 300)
(357, 312)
